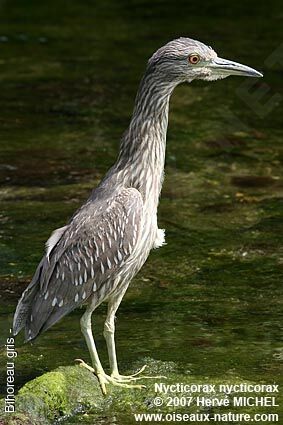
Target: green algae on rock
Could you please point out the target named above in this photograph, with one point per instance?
(70, 392)
(55, 394)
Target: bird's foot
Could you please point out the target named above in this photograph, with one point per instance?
(135, 376)
(114, 379)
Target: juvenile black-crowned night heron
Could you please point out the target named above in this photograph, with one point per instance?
(95, 256)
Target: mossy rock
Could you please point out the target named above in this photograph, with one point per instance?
(59, 393)
(71, 390)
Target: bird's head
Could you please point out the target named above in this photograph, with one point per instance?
(185, 59)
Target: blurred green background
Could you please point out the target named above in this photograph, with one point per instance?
(69, 71)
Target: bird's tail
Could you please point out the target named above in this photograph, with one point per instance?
(25, 303)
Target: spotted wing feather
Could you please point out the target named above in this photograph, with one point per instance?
(87, 255)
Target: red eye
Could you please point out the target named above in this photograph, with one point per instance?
(194, 59)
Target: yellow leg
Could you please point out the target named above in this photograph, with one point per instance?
(115, 378)
(97, 368)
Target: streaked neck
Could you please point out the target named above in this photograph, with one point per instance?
(142, 151)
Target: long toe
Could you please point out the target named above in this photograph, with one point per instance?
(135, 376)
(84, 364)
(102, 379)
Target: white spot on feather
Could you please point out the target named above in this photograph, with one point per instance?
(102, 267)
(108, 263)
(54, 302)
(96, 246)
(109, 241)
(76, 297)
(119, 255)
(92, 272)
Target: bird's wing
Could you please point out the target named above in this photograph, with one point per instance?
(80, 259)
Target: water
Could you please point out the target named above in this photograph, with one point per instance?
(210, 299)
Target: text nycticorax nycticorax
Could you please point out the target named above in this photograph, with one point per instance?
(94, 257)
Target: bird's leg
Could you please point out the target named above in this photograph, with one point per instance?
(97, 368)
(109, 331)
(87, 332)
